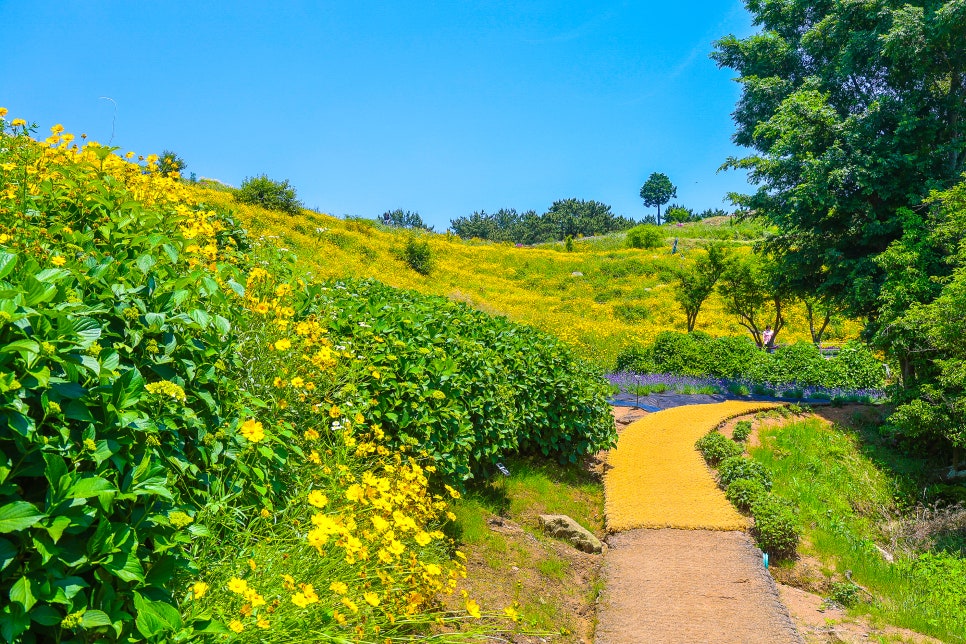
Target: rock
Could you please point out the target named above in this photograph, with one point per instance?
(576, 274)
(560, 526)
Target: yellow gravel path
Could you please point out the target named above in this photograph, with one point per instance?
(656, 478)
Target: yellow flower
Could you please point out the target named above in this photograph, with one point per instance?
(511, 612)
(315, 458)
(57, 129)
(354, 493)
(18, 122)
(351, 605)
(198, 589)
(371, 598)
(423, 538)
(335, 412)
(252, 564)
(450, 516)
(288, 582)
(262, 623)
(283, 344)
(265, 513)
(237, 586)
(58, 260)
(252, 430)
(311, 435)
(318, 499)
(473, 608)
(338, 587)
(236, 626)
(297, 381)
(3, 112)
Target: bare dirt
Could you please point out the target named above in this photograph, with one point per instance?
(682, 586)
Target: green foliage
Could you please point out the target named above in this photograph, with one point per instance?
(170, 163)
(744, 492)
(677, 213)
(116, 355)
(845, 593)
(645, 236)
(407, 219)
(573, 217)
(467, 388)
(738, 467)
(267, 193)
(715, 447)
(736, 357)
(775, 529)
(742, 431)
(569, 244)
(419, 255)
(657, 191)
(697, 282)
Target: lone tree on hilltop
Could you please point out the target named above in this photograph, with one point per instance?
(657, 191)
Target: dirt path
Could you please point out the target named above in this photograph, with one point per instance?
(681, 585)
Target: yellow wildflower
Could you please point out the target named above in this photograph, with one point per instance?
(473, 608)
(283, 344)
(339, 587)
(198, 589)
(311, 435)
(237, 586)
(351, 605)
(236, 626)
(262, 623)
(58, 260)
(335, 412)
(371, 598)
(423, 538)
(318, 499)
(252, 430)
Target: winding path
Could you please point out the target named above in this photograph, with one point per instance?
(681, 568)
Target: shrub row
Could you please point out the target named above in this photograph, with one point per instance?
(467, 387)
(747, 485)
(736, 357)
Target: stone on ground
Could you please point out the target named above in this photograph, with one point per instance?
(560, 526)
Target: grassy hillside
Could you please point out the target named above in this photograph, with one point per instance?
(599, 298)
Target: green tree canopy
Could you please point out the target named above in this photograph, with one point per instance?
(657, 191)
(853, 111)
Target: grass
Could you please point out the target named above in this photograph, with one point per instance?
(512, 563)
(845, 492)
(600, 298)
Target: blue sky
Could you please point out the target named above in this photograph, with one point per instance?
(438, 107)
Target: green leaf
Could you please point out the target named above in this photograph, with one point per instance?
(13, 622)
(46, 615)
(88, 487)
(56, 469)
(21, 346)
(125, 566)
(57, 527)
(95, 618)
(7, 263)
(78, 411)
(155, 617)
(18, 515)
(22, 593)
(8, 552)
(127, 389)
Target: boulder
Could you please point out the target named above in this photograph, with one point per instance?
(560, 526)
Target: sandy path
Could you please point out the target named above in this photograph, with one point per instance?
(681, 585)
(689, 586)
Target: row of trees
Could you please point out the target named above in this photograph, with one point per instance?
(565, 218)
(855, 115)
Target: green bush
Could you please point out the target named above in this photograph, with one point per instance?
(267, 193)
(467, 388)
(799, 363)
(775, 530)
(419, 255)
(636, 359)
(683, 354)
(855, 367)
(737, 467)
(732, 356)
(645, 236)
(744, 492)
(742, 431)
(715, 448)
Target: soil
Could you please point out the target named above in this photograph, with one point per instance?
(689, 586)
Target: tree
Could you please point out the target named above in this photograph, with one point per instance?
(676, 213)
(696, 283)
(657, 191)
(274, 195)
(170, 163)
(853, 112)
(752, 293)
(404, 219)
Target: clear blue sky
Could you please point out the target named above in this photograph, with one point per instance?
(439, 107)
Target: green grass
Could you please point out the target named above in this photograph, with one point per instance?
(842, 498)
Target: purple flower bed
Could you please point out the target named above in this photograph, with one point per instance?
(628, 382)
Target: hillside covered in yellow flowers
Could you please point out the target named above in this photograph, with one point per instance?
(601, 297)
